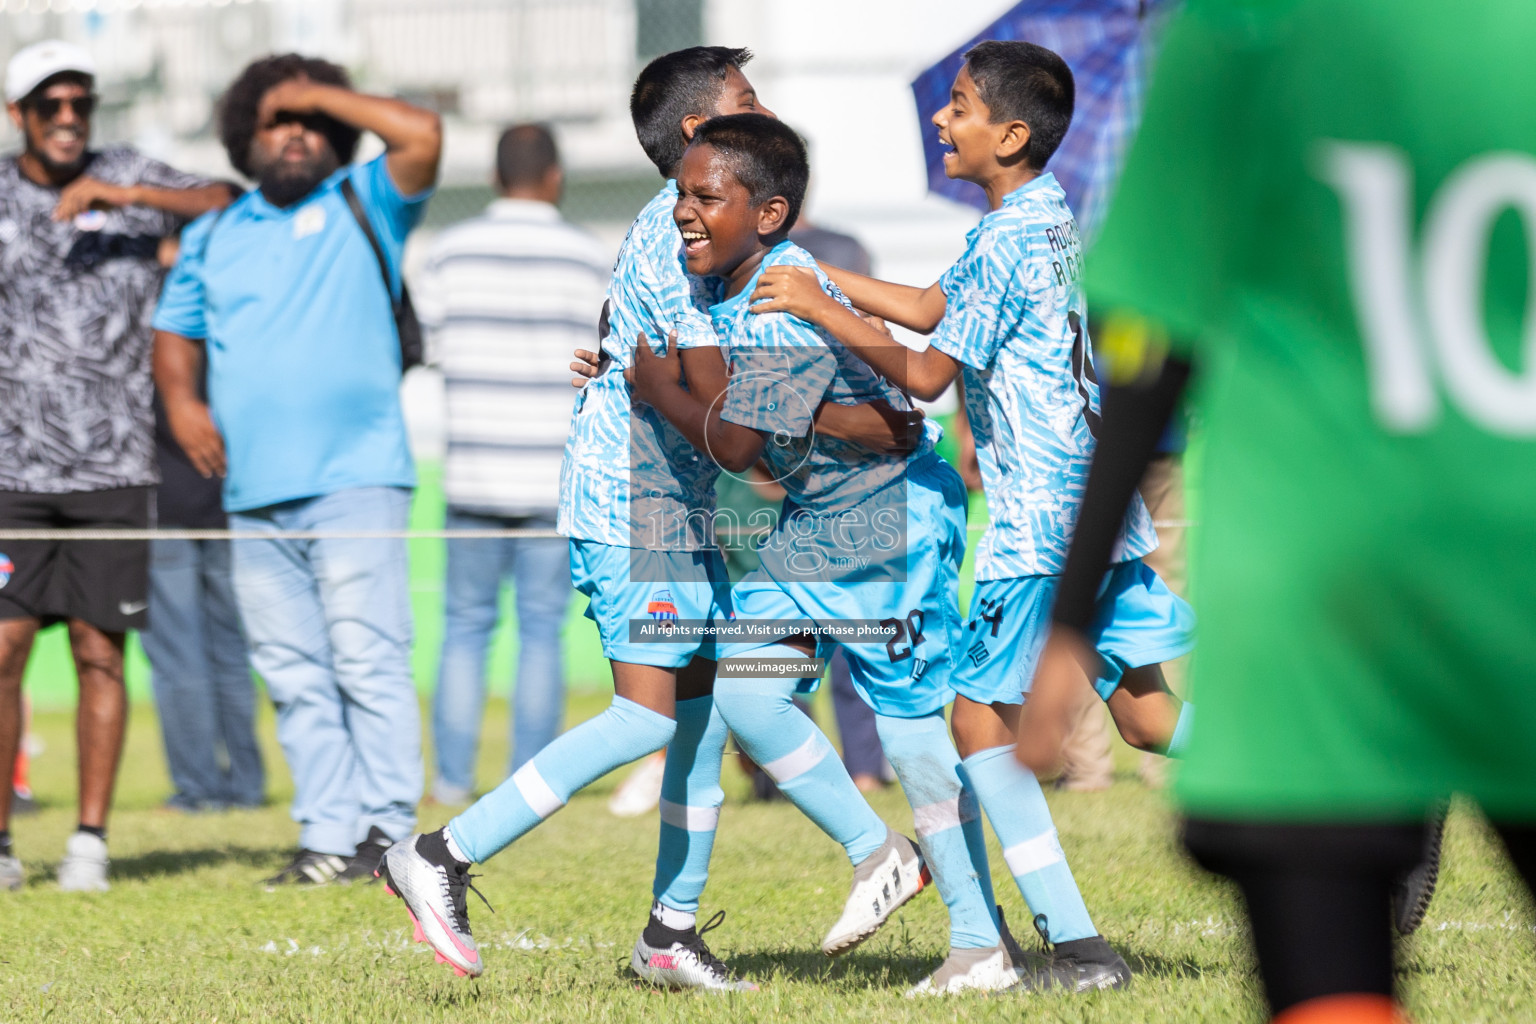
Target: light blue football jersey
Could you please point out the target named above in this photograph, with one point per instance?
(782, 369)
(1016, 321)
(628, 477)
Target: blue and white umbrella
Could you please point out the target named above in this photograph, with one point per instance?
(1108, 45)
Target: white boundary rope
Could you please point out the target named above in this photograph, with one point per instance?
(524, 532)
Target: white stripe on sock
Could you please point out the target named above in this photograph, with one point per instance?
(798, 761)
(937, 817)
(690, 819)
(536, 791)
(1033, 854)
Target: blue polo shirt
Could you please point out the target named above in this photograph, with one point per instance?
(303, 358)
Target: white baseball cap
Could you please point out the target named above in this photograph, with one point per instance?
(34, 65)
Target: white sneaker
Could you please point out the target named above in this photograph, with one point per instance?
(12, 874)
(969, 970)
(641, 791)
(84, 867)
(884, 881)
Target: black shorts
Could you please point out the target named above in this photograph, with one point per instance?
(1319, 897)
(102, 582)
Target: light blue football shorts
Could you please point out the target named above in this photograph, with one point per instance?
(632, 585)
(911, 588)
(1138, 621)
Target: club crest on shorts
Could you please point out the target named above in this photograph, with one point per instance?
(661, 608)
(6, 568)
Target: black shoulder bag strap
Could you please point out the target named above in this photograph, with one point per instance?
(208, 235)
(407, 326)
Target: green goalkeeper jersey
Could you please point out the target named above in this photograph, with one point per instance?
(1334, 201)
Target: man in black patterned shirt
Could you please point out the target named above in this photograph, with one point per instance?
(80, 231)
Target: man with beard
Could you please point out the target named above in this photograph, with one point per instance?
(293, 302)
(79, 235)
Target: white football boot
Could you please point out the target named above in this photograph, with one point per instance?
(882, 882)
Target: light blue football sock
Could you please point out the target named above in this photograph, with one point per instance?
(690, 804)
(927, 766)
(976, 842)
(1016, 807)
(542, 786)
(1181, 731)
(799, 758)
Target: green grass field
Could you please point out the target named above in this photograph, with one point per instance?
(188, 934)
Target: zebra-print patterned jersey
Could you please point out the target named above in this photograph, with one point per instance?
(1016, 321)
(75, 304)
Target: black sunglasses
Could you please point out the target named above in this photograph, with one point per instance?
(311, 122)
(48, 107)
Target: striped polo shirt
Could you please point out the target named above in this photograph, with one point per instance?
(506, 297)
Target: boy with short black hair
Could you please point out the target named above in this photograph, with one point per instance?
(626, 471)
(863, 537)
(636, 501)
(1010, 317)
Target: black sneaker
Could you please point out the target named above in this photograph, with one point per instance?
(673, 959)
(1017, 958)
(369, 855)
(310, 867)
(1081, 965)
(1413, 890)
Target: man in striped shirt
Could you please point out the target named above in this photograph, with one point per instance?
(506, 296)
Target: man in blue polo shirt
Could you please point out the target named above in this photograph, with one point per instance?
(284, 295)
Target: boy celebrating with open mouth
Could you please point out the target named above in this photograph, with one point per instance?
(637, 502)
(1010, 317)
(871, 539)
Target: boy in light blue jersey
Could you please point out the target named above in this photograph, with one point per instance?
(864, 540)
(637, 502)
(1010, 317)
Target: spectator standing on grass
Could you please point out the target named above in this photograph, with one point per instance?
(507, 296)
(79, 233)
(204, 693)
(304, 362)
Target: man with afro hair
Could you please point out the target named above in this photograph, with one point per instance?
(291, 295)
